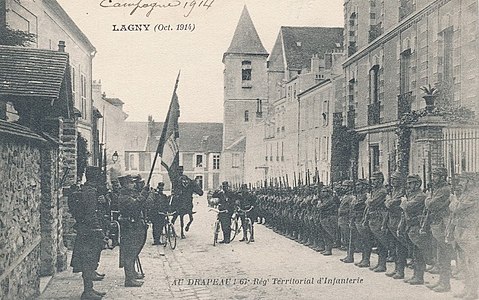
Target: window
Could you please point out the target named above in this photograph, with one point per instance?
(199, 160)
(246, 115)
(235, 160)
(405, 71)
(133, 159)
(246, 70)
(374, 158)
(446, 47)
(325, 113)
(216, 162)
(83, 93)
(74, 84)
(199, 180)
(374, 84)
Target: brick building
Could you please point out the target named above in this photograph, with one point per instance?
(395, 48)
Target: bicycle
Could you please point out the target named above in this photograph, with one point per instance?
(235, 228)
(168, 234)
(248, 224)
(217, 225)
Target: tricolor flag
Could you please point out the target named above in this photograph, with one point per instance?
(168, 144)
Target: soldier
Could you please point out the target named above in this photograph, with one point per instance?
(328, 209)
(394, 213)
(90, 237)
(133, 226)
(465, 227)
(375, 213)
(437, 205)
(225, 203)
(182, 199)
(358, 207)
(344, 220)
(413, 207)
(247, 203)
(158, 205)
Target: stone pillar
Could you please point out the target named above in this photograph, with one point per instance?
(68, 151)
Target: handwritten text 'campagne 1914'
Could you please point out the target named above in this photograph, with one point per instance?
(188, 6)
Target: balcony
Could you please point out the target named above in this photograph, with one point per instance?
(404, 103)
(374, 113)
(351, 118)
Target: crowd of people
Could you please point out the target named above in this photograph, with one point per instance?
(399, 221)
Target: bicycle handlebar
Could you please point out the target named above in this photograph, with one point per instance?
(167, 214)
(245, 211)
(218, 211)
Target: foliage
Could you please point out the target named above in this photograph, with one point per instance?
(429, 90)
(12, 37)
(82, 155)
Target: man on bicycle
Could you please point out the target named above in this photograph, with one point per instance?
(158, 205)
(225, 203)
(247, 202)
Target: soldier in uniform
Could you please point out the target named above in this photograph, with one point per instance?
(247, 203)
(413, 207)
(375, 213)
(133, 226)
(345, 223)
(225, 203)
(437, 205)
(394, 214)
(358, 207)
(328, 209)
(158, 205)
(464, 227)
(90, 237)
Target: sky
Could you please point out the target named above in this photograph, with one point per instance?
(140, 67)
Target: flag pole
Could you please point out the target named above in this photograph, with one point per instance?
(161, 143)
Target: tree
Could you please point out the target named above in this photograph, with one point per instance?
(12, 37)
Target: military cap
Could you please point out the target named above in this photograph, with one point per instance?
(440, 171)
(162, 184)
(414, 178)
(396, 175)
(125, 179)
(377, 174)
(348, 182)
(225, 183)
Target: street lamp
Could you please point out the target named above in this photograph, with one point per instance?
(114, 157)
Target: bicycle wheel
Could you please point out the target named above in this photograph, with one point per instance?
(163, 235)
(216, 231)
(234, 229)
(171, 236)
(249, 229)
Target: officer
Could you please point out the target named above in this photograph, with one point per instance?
(225, 203)
(375, 214)
(394, 214)
(464, 227)
(437, 205)
(413, 207)
(90, 237)
(133, 226)
(328, 209)
(158, 205)
(344, 220)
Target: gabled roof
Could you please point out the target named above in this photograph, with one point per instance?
(194, 137)
(301, 43)
(245, 39)
(29, 72)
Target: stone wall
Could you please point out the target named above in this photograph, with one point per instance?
(20, 169)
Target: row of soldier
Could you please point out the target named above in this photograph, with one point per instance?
(433, 228)
(129, 204)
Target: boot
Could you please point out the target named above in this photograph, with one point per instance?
(101, 294)
(133, 283)
(364, 263)
(90, 295)
(391, 274)
(442, 288)
(381, 265)
(327, 251)
(432, 285)
(399, 275)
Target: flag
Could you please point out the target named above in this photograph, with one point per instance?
(168, 148)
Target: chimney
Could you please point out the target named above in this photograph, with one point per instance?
(61, 46)
(315, 64)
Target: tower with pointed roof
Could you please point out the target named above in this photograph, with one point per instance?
(245, 93)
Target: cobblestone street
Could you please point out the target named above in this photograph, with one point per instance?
(243, 271)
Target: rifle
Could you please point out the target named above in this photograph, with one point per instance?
(426, 220)
(138, 266)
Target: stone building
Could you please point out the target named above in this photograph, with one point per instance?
(245, 94)
(50, 23)
(395, 48)
(199, 151)
(35, 129)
